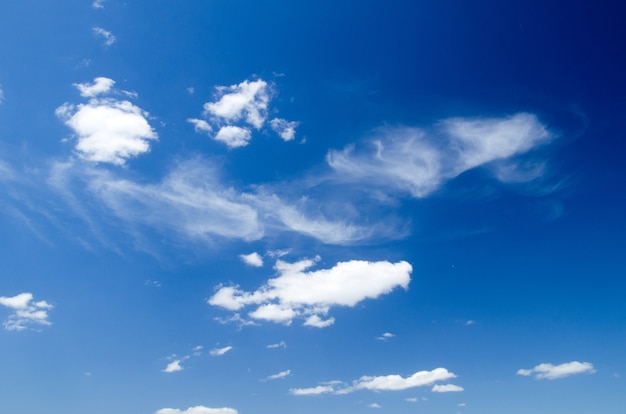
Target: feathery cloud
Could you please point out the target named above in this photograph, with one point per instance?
(107, 36)
(220, 351)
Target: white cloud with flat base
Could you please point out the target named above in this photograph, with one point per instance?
(298, 293)
(551, 372)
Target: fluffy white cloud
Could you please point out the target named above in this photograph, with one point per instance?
(220, 351)
(173, 366)
(200, 125)
(107, 130)
(285, 129)
(100, 85)
(253, 259)
(320, 389)
(397, 382)
(247, 100)
(419, 161)
(234, 136)
(382, 383)
(280, 375)
(317, 322)
(447, 388)
(107, 36)
(296, 292)
(549, 371)
(25, 311)
(197, 410)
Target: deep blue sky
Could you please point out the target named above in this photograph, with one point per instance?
(229, 207)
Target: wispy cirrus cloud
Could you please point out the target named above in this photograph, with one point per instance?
(551, 372)
(220, 351)
(298, 293)
(380, 383)
(280, 375)
(199, 409)
(26, 311)
(419, 161)
(108, 38)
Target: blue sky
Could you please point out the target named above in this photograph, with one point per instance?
(229, 207)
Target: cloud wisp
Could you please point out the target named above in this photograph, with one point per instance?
(107, 37)
(380, 383)
(418, 161)
(26, 312)
(551, 372)
(199, 409)
(310, 294)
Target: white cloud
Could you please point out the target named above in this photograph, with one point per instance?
(397, 382)
(385, 336)
(247, 100)
(280, 375)
(320, 389)
(1, 94)
(220, 351)
(253, 259)
(197, 410)
(234, 136)
(108, 130)
(200, 125)
(417, 161)
(107, 36)
(296, 292)
(173, 366)
(380, 383)
(375, 405)
(280, 344)
(25, 311)
(447, 388)
(100, 85)
(411, 399)
(549, 371)
(285, 129)
(317, 322)
(98, 4)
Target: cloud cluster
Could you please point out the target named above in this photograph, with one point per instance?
(418, 161)
(198, 410)
(236, 110)
(549, 371)
(25, 311)
(298, 293)
(107, 129)
(384, 383)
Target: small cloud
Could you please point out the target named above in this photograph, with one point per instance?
(107, 36)
(153, 283)
(317, 322)
(461, 404)
(200, 125)
(385, 336)
(220, 351)
(320, 389)
(247, 101)
(98, 4)
(234, 136)
(375, 405)
(280, 375)
(253, 259)
(197, 410)
(411, 399)
(173, 366)
(25, 311)
(280, 344)
(285, 129)
(191, 90)
(100, 85)
(1, 94)
(447, 388)
(470, 322)
(549, 371)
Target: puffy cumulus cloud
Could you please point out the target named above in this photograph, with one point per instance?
(107, 130)
(100, 85)
(238, 108)
(253, 259)
(220, 351)
(418, 161)
(197, 410)
(173, 366)
(447, 388)
(549, 371)
(25, 311)
(233, 136)
(246, 100)
(107, 37)
(296, 292)
(380, 383)
(285, 129)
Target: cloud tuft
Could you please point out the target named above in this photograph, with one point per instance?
(551, 372)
